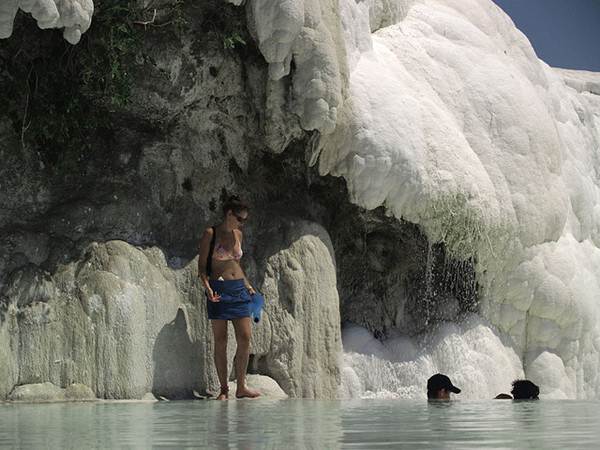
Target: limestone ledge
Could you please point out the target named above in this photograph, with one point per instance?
(124, 323)
(48, 392)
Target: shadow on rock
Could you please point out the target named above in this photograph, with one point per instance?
(176, 365)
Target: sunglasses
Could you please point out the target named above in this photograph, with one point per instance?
(240, 219)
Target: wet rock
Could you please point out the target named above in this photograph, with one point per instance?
(267, 386)
(78, 392)
(124, 322)
(149, 396)
(303, 310)
(37, 392)
(49, 392)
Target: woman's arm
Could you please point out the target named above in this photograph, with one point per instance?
(240, 236)
(203, 249)
(248, 285)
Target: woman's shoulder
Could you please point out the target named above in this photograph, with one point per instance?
(238, 233)
(208, 232)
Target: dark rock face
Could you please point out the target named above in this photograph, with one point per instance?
(191, 135)
(191, 126)
(390, 277)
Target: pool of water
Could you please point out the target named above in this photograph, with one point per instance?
(366, 424)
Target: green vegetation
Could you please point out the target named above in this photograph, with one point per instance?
(232, 41)
(66, 102)
(224, 23)
(61, 97)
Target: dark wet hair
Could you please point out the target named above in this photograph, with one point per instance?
(525, 390)
(234, 204)
(503, 397)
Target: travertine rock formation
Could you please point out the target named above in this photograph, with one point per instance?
(124, 323)
(74, 16)
(436, 112)
(48, 392)
(305, 341)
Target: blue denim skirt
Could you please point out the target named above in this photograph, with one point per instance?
(235, 300)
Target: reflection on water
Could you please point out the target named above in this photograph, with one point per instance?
(303, 424)
(236, 424)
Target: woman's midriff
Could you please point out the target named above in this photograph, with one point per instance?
(228, 270)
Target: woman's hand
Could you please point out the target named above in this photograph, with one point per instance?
(251, 290)
(212, 296)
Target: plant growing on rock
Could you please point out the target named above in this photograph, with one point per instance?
(59, 96)
(232, 41)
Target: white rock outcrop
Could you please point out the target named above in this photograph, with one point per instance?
(48, 392)
(267, 386)
(470, 353)
(124, 323)
(304, 349)
(581, 80)
(110, 321)
(437, 110)
(75, 16)
(307, 34)
(453, 123)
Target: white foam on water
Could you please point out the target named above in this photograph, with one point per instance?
(471, 354)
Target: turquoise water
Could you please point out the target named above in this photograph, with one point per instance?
(364, 424)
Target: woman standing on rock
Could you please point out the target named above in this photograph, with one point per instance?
(228, 293)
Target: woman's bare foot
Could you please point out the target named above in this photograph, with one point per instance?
(224, 394)
(246, 392)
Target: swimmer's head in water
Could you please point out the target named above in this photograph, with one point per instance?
(439, 387)
(525, 390)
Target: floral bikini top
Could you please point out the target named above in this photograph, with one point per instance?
(222, 254)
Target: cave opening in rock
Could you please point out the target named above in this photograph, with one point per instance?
(389, 276)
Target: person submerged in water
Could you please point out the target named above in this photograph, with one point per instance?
(228, 293)
(525, 390)
(503, 396)
(439, 387)
(521, 390)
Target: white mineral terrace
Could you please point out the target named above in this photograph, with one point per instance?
(454, 123)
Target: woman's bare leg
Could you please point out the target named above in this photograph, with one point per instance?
(219, 328)
(243, 333)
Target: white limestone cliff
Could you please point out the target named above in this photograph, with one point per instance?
(306, 33)
(441, 112)
(124, 323)
(453, 123)
(74, 16)
(300, 282)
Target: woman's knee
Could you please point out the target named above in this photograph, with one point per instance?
(243, 337)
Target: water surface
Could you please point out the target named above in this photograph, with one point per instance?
(364, 424)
